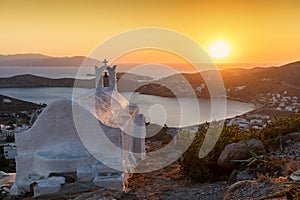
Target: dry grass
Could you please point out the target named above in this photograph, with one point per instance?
(285, 165)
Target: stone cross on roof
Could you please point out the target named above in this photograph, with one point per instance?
(105, 62)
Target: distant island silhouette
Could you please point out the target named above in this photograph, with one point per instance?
(240, 84)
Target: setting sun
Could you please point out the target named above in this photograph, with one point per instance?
(219, 49)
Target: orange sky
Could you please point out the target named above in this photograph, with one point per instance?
(259, 31)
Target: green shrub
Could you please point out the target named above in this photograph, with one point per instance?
(206, 168)
(278, 127)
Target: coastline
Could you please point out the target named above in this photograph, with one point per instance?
(258, 108)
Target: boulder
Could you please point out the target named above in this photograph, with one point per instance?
(239, 151)
(295, 176)
(246, 174)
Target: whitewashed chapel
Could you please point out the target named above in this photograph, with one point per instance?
(98, 136)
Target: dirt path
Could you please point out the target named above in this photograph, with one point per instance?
(169, 183)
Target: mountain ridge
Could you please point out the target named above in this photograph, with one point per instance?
(41, 60)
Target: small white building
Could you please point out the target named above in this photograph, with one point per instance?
(265, 117)
(256, 122)
(289, 108)
(237, 121)
(200, 88)
(244, 126)
(10, 151)
(6, 100)
(99, 136)
(282, 105)
(257, 127)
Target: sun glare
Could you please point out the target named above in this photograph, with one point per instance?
(219, 49)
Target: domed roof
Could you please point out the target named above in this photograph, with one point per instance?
(111, 108)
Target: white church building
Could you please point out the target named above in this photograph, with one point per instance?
(99, 136)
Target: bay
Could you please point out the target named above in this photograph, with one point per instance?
(174, 112)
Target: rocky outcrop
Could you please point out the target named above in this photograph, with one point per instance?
(239, 151)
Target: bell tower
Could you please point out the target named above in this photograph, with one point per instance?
(106, 79)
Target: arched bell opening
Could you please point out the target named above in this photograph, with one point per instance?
(105, 79)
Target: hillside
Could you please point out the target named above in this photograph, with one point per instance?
(243, 84)
(260, 81)
(11, 105)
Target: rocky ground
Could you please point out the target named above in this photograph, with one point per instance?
(170, 183)
(274, 177)
(266, 179)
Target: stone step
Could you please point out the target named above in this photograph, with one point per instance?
(109, 182)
